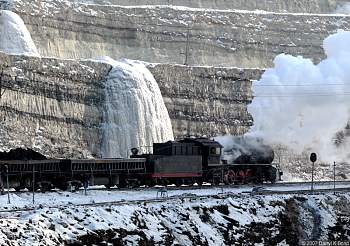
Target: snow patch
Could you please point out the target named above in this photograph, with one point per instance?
(14, 35)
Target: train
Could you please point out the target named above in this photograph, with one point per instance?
(186, 161)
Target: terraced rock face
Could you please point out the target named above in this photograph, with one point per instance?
(292, 6)
(206, 100)
(161, 34)
(52, 106)
(56, 106)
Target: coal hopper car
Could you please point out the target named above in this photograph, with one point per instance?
(74, 173)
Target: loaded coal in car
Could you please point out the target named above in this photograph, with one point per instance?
(21, 154)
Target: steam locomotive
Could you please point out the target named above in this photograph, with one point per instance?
(187, 161)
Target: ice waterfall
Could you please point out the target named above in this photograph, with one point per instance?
(14, 35)
(135, 114)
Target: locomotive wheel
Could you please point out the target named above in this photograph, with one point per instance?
(230, 177)
(19, 188)
(199, 182)
(122, 183)
(45, 186)
(179, 182)
(62, 187)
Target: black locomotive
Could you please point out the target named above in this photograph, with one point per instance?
(188, 161)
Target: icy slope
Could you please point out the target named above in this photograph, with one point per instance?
(135, 113)
(14, 36)
(220, 220)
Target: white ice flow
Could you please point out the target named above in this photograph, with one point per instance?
(14, 35)
(135, 113)
(303, 105)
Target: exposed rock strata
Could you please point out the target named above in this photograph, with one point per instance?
(206, 100)
(159, 34)
(55, 106)
(51, 105)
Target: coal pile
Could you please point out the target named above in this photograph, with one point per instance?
(21, 154)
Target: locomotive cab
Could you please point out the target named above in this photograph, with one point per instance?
(210, 151)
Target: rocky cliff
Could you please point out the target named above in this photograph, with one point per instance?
(51, 105)
(56, 106)
(161, 34)
(206, 100)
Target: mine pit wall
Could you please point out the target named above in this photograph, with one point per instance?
(159, 35)
(56, 106)
(206, 100)
(292, 6)
(53, 106)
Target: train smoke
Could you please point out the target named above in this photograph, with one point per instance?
(306, 106)
(343, 9)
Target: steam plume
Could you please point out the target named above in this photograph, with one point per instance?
(306, 106)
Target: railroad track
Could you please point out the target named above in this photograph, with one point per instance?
(207, 186)
(176, 197)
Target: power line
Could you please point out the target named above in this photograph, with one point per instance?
(304, 95)
(297, 85)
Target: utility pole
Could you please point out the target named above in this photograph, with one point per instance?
(2, 73)
(2, 91)
(33, 183)
(187, 45)
(334, 178)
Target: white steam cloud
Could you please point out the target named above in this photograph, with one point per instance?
(343, 9)
(303, 105)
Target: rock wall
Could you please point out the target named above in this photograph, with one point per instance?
(51, 105)
(206, 100)
(160, 34)
(55, 106)
(292, 6)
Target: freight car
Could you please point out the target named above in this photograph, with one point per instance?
(188, 161)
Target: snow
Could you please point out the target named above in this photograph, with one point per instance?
(14, 36)
(219, 11)
(189, 221)
(94, 195)
(135, 114)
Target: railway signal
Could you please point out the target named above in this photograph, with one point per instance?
(313, 159)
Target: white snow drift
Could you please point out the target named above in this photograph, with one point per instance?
(14, 35)
(135, 114)
(303, 105)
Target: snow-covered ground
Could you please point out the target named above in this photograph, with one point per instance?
(94, 195)
(230, 219)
